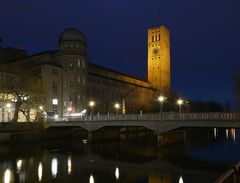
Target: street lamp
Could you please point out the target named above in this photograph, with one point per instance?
(91, 104)
(179, 102)
(161, 100)
(117, 106)
(70, 110)
(8, 105)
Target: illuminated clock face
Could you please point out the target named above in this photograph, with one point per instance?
(155, 51)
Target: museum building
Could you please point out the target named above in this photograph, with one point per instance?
(69, 81)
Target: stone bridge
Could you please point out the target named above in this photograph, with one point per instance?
(160, 123)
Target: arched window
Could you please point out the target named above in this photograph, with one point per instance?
(152, 38)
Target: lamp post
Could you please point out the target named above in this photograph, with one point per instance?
(161, 100)
(91, 104)
(117, 106)
(179, 102)
(8, 105)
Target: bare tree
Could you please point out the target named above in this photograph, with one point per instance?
(25, 89)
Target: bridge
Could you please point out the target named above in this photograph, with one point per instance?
(160, 122)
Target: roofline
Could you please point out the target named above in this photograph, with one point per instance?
(117, 72)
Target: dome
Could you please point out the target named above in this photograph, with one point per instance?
(72, 34)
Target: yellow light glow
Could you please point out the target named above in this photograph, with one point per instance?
(227, 133)
(54, 167)
(19, 165)
(233, 133)
(69, 165)
(91, 103)
(41, 108)
(8, 105)
(117, 105)
(215, 133)
(161, 98)
(7, 176)
(179, 101)
(91, 179)
(40, 171)
(117, 173)
(181, 179)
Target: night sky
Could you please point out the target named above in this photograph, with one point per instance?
(205, 36)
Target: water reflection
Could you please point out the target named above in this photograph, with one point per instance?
(54, 167)
(69, 165)
(181, 179)
(19, 165)
(40, 172)
(7, 176)
(227, 133)
(91, 179)
(233, 134)
(215, 132)
(117, 173)
(137, 158)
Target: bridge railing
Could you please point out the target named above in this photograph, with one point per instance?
(164, 116)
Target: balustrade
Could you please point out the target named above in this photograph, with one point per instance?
(164, 116)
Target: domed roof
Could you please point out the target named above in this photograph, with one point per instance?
(72, 34)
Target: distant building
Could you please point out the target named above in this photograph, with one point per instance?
(69, 81)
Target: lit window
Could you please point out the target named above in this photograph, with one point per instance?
(78, 79)
(78, 63)
(55, 101)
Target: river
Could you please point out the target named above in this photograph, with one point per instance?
(201, 156)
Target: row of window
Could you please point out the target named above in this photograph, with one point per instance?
(72, 83)
(73, 64)
(155, 58)
(156, 38)
(72, 45)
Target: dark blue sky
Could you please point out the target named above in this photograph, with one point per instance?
(205, 36)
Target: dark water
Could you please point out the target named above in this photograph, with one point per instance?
(200, 157)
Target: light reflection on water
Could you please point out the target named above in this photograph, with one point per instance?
(227, 133)
(19, 165)
(117, 173)
(7, 176)
(233, 133)
(54, 167)
(137, 161)
(91, 179)
(69, 165)
(215, 132)
(40, 171)
(181, 179)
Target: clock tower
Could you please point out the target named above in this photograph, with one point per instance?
(159, 59)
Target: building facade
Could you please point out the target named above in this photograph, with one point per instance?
(69, 81)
